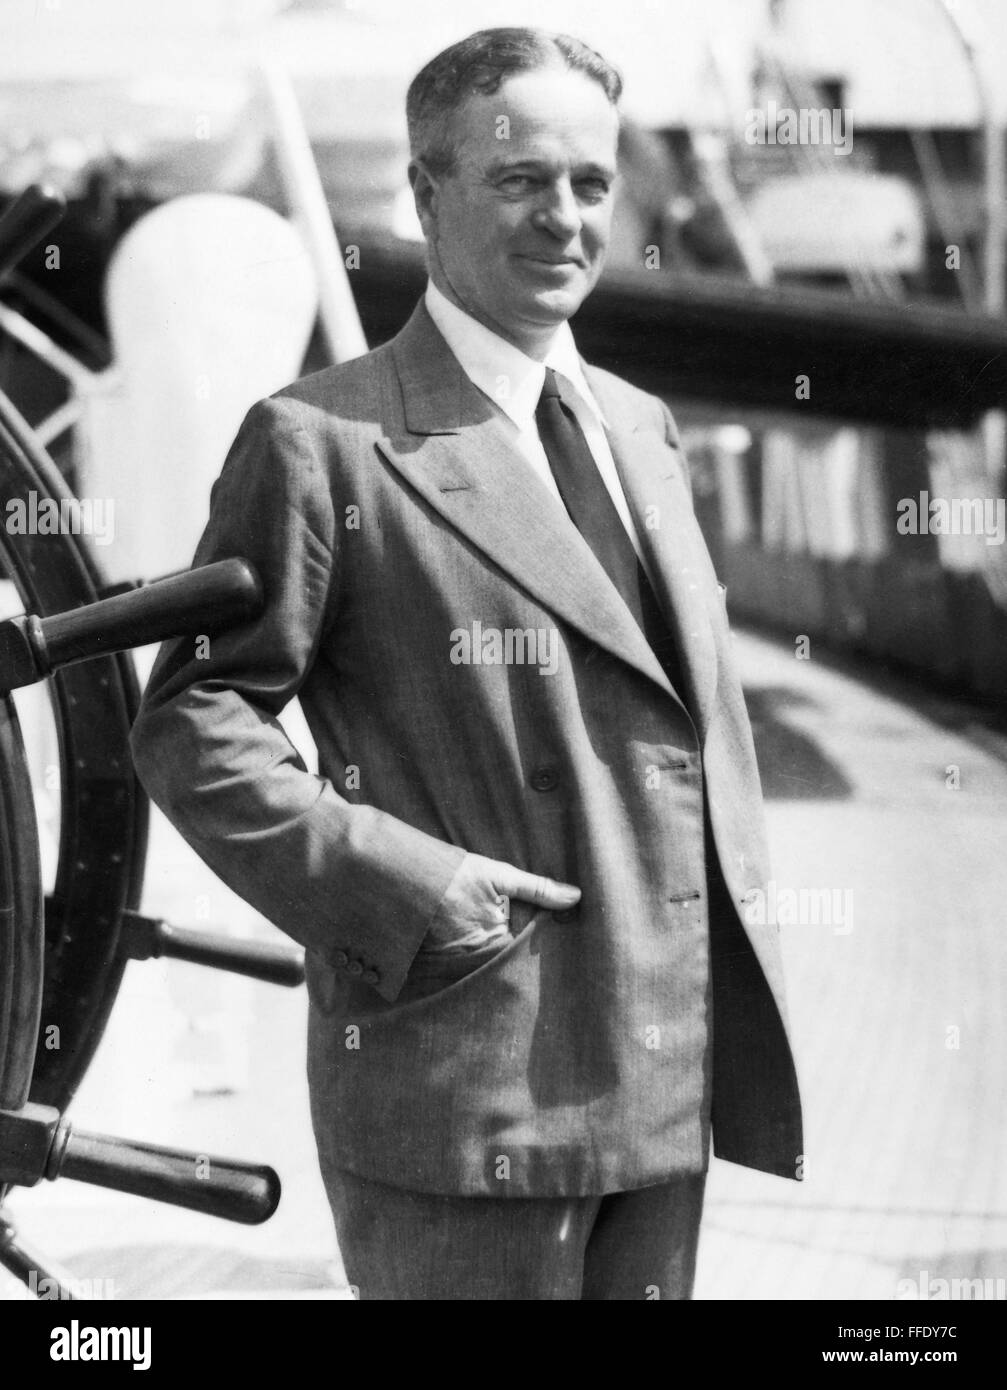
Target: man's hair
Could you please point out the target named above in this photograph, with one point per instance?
(478, 66)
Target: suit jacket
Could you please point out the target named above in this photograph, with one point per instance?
(389, 516)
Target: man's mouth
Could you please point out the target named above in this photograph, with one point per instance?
(556, 261)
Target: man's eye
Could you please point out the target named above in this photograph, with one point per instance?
(594, 187)
(516, 183)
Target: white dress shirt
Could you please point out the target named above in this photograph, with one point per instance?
(513, 382)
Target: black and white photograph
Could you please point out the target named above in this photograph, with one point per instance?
(503, 663)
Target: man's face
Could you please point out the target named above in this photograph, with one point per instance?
(519, 229)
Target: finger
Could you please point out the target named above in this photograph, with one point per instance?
(535, 888)
(497, 935)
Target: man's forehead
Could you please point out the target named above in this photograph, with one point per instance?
(540, 113)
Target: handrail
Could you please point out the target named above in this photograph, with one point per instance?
(82, 381)
(340, 321)
(26, 221)
(81, 378)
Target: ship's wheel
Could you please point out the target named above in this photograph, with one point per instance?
(62, 954)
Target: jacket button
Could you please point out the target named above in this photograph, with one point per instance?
(370, 977)
(354, 968)
(566, 914)
(341, 959)
(544, 779)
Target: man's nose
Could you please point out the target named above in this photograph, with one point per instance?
(559, 211)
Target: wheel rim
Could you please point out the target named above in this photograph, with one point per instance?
(103, 813)
(21, 963)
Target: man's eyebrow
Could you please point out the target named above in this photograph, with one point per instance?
(505, 166)
(605, 170)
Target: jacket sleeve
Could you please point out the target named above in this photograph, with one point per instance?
(347, 881)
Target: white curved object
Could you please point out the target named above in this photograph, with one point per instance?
(211, 301)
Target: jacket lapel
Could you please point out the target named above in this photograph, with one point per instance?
(654, 481)
(456, 451)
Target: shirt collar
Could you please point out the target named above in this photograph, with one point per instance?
(510, 378)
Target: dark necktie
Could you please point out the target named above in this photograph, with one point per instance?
(593, 512)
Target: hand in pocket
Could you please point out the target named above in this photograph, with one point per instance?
(475, 910)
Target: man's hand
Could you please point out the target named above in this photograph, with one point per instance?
(475, 909)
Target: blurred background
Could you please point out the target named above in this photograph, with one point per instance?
(129, 107)
(809, 266)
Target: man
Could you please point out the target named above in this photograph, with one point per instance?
(520, 876)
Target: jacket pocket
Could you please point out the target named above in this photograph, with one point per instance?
(435, 973)
(435, 970)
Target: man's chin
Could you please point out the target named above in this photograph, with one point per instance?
(553, 307)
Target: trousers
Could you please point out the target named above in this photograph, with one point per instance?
(398, 1244)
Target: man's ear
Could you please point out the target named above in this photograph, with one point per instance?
(425, 190)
